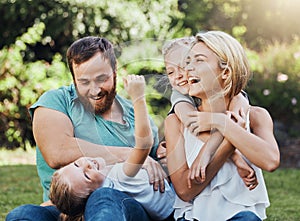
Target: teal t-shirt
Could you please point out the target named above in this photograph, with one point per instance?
(87, 126)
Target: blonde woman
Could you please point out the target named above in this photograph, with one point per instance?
(217, 69)
(174, 53)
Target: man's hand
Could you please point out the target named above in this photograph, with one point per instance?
(47, 203)
(161, 154)
(156, 174)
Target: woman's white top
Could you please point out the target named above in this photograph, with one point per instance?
(158, 205)
(226, 195)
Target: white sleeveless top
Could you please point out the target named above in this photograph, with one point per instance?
(226, 195)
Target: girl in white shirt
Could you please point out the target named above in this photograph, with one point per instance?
(72, 184)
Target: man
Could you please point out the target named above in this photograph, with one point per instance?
(87, 118)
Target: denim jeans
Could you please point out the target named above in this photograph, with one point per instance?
(110, 204)
(104, 204)
(245, 216)
(241, 216)
(30, 212)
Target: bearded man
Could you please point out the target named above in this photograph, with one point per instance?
(87, 118)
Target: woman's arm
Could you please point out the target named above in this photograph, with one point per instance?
(259, 146)
(177, 166)
(135, 86)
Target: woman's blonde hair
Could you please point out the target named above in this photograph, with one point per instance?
(232, 58)
(68, 202)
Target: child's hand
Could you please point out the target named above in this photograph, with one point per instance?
(249, 176)
(239, 118)
(198, 168)
(246, 172)
(135, 86)
(237, 102)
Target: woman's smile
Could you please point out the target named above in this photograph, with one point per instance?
(194, 80)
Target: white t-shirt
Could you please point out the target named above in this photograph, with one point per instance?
(158, 205)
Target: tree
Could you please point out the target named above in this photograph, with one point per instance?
(20, 84)
(255, 22)
(37, 33)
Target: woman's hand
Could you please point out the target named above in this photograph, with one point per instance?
(198, 122)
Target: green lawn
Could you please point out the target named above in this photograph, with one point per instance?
(284, 193)
(19, 184)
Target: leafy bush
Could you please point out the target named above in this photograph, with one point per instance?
(21, 83)
(276, 84)
(33, 63)
(68, 20)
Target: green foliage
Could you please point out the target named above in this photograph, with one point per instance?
(276, 83)
(68, 20)
(148, 62)
(20, 85)
(269, 21)
(37, 33)
(32, 63)
(256, 22)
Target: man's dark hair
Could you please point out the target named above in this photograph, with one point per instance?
(85, 48)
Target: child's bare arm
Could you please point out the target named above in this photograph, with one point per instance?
(135, 85)
(204, 157)
(239, 101)
(182, 109)
(245, 171)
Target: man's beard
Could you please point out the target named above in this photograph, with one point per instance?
(105, 105)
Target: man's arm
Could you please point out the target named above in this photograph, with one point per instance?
(54, 135)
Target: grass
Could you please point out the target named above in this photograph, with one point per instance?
(284, 194)
(19, 184)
